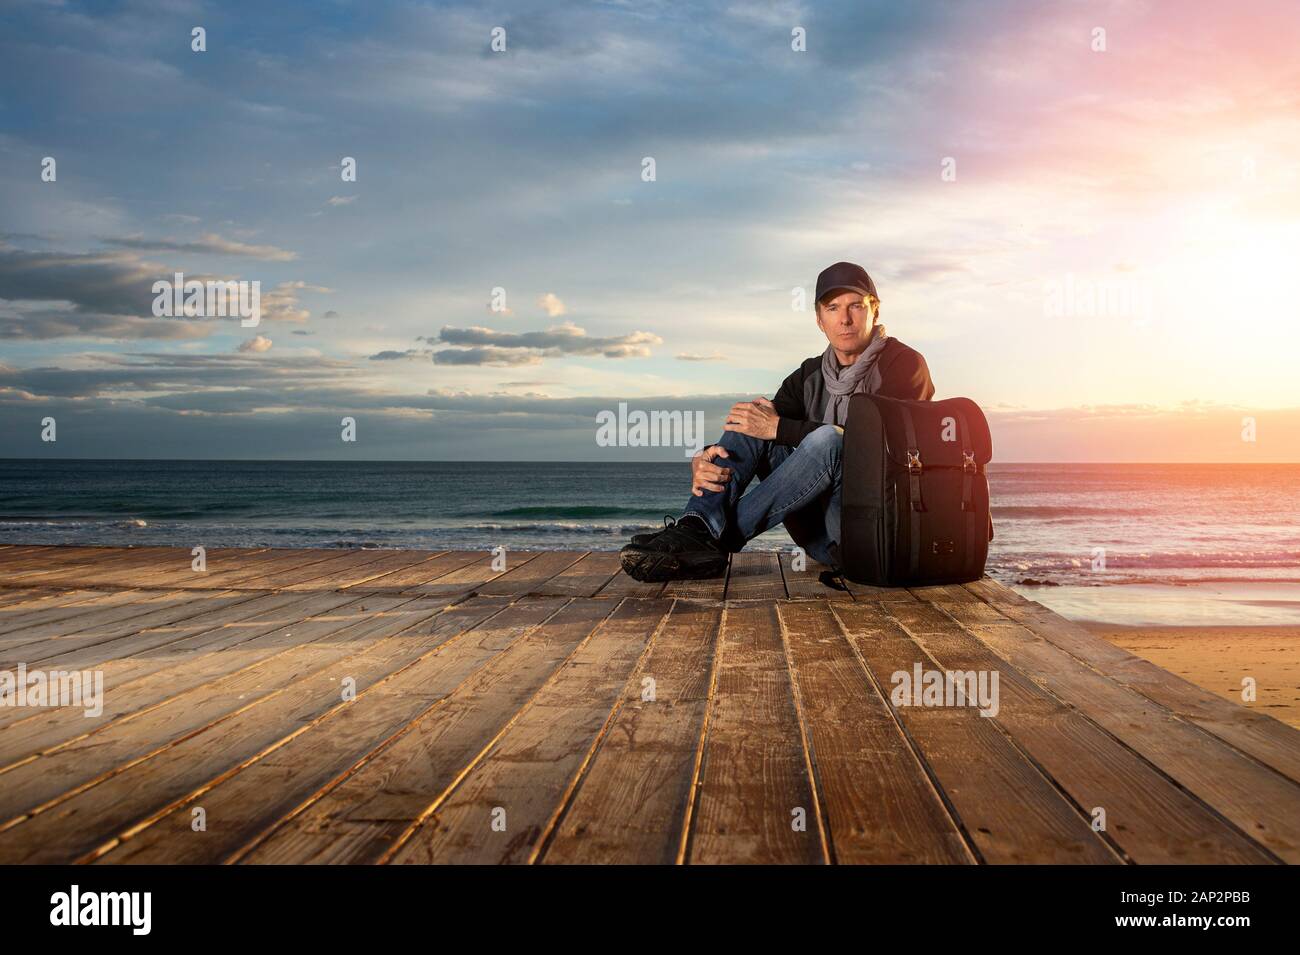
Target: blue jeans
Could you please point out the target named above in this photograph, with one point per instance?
(799, 487)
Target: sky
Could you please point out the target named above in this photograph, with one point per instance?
(1086, 215)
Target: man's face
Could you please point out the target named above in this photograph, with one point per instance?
(846, 320)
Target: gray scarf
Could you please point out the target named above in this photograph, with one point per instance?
(849, 380)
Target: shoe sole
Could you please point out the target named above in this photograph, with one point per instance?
(652, 567)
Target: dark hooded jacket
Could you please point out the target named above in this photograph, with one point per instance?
(900, 372)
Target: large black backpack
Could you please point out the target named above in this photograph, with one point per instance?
(914, 507)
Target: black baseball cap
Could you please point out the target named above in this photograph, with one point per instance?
(845, 277)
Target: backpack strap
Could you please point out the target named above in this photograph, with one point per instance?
(914, 489)
(968, 471)
(831, 578)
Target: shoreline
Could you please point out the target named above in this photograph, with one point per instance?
(1233, 603)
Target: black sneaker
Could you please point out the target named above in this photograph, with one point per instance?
(683, 550)
(642, 539)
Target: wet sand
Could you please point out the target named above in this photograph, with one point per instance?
(1219, 658)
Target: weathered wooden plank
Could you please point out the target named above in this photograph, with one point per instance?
(755, 801)
(18, 555)
(585, 578)
(84, 656)
(1149, 817)
(87, 570)
(24, 599)
(223, 644)
(33, 644)
(137, 790)
(971, 760)
(994, 592)
(251, 571)
(472, 576)
(879, 804)
(948, 593)
(755, 575)
(253, 797)
(177, 570)
(136, 728)
(174, 568)
(9, 550)
(708, 588)
(354, 575)
(621, 585)
(523, 780)
(45, 608)
(633, 802)
(316, 574)
(1255, 798)
(142, 563)
(529, 576)
(41, 558)
(804, 582)
(423, 573)
(365, 814)
(1268, 740)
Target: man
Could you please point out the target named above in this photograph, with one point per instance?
(791, 443)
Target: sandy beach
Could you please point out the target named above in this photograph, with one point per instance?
(1218, 658)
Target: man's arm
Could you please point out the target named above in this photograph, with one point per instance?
(793, 426)
(907, 377)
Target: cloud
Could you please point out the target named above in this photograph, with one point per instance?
(257, 344)
(100, 295)
(551, 305)
(209, 243)
(687, 356)
(491, 347)
(500, 357)
(281, 303)
(341, 200)
(44, 325)
(115, 283)
(51, 295)
(122, 379)
(410, 353)
(926, 270)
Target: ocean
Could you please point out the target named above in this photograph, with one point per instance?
(1084, 524)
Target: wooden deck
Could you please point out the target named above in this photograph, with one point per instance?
(402, 706)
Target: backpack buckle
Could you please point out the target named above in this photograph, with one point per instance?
(914, 459)
(968, 461)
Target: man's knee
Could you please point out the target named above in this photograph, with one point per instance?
(826, 442)
(741, 447)
(734, 439)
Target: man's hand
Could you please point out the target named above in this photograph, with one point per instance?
(705, 475)
(755, 418)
